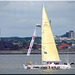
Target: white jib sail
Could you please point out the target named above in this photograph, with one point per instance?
(31, 44)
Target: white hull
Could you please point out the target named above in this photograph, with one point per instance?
(47, 66)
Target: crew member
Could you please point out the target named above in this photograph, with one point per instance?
(30, 62)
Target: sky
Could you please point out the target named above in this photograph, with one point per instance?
(19, 18)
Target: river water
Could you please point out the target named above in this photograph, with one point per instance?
(13, 64)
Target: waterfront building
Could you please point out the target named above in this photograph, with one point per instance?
(64, 46)
(70, 34)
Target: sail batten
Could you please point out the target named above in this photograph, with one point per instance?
(49, 50)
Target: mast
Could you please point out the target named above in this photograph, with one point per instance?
(0, 34)
(50, 22)
(42, 32)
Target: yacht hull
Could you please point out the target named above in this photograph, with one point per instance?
(47, 66)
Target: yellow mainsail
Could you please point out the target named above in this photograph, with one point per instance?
(49, 50)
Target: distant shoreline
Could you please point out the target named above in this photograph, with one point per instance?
(33, 52)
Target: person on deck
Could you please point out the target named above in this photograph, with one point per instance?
(30, 62)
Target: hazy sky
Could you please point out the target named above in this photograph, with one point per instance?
(18, 18)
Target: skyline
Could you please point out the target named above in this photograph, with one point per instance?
(19, 18)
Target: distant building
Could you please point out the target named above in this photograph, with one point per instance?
(70, 34)
(64, 46)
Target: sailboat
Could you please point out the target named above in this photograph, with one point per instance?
(31, 44)
(50, 56)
